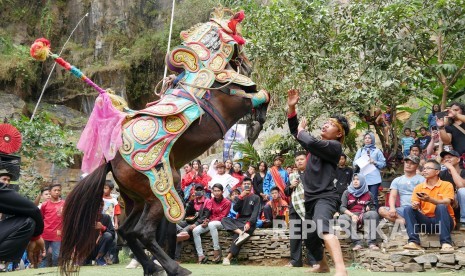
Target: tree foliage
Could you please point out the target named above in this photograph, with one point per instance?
(42, 139)
(347, 56)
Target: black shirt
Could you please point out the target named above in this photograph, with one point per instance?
(343, 179)
(248, 207)
(423, 141)
(12, 203)
(458, 138)
(320, 171)
(446, 176)
(257, 183)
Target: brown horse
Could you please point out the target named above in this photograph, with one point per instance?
(144, 210)
(230, 96)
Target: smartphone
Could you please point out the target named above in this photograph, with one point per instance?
(421, 194)
(433, 128)
(441, 115)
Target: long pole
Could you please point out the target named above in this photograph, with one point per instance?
(169, 40)
(53, 68)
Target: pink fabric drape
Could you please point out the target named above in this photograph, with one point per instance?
(101, 137)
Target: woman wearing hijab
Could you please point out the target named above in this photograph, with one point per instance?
(376, 158)
(358, 210)
(212, 169)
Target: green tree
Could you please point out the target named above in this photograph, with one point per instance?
(42, 140)
(348, 56)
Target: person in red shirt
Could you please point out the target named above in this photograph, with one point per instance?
(51, 212)
(274, 209)
(195, 176)
(219, 208)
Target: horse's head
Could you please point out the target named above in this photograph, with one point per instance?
(212, 59)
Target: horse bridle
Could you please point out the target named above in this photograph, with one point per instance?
(206, 105)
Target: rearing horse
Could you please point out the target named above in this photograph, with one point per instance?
(214, 81)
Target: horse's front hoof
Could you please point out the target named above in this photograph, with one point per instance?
(183, 271)
(160, 273)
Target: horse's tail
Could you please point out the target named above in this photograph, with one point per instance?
(80, 214)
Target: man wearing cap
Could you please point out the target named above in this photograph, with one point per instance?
(22, 229)
(223, 178)
(5, 177)
(455, 175)
(276, 177)
(321, 198)
(403, 187)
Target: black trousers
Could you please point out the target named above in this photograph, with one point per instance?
(296, 244)
(166, 237)
(105, 243)
(320, 212)
(233, 224)
(17, 232)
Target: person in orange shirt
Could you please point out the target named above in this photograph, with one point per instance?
(431, 209)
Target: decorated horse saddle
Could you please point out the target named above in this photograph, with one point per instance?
(147, 141)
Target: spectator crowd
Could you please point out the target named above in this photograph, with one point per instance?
(429, 195)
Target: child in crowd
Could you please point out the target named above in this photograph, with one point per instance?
(274, 209)
(51, 213)
(232, 213)
(42, 197)
(407, 141)
(111, 206)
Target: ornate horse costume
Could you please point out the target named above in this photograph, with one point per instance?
(144, 149)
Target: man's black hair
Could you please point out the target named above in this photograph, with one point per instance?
(55, 185)
(407, 128)
(423, 128)
(415, 146)
(44, 189)
(217, 185)
(274, 189)
(247, 179)
(299, 153)
(344, 123)
(343, 155)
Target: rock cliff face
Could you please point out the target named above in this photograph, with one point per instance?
(120, 44)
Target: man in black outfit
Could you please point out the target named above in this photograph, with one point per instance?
(321, 198)
(343, 175)
(22, 228)
(247, 206)
(294, 218)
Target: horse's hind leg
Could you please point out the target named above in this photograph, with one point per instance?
(147, 229)
(126, 231)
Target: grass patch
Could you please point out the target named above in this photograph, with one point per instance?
(210, 270)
